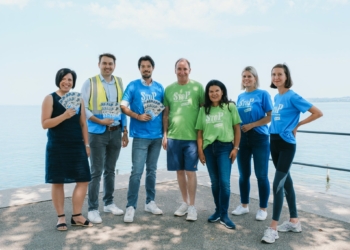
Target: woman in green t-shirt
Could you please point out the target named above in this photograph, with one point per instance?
(219, 133)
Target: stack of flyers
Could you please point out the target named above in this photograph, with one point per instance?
(71, 100)
(111, 110)
(153, 107)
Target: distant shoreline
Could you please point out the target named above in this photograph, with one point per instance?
(325, 99)
(334, 99)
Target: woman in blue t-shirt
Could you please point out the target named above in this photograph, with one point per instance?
(283, 129)
(254, 107)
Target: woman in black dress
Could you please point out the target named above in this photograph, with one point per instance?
(67, 150)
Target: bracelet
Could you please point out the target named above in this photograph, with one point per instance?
(236, 148)
(87, 145)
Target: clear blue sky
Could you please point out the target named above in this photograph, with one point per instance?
(219, 38)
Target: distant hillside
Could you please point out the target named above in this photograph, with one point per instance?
(335, 99)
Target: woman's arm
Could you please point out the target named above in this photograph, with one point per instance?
(315, 114)
(46, 112)
(84, 129)
(262, 121)
(200, 146)
(236, 140)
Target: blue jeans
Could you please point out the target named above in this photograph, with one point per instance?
(256, 145)
(143, 151)
(219, 168)
(104, 153)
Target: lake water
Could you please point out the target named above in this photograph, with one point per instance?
(23, 142)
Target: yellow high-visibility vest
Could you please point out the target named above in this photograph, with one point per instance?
(98, 93)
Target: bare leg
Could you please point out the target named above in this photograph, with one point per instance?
(274, 224)
(182, 181)
(57, 194)
(78, 197)
(191, 185)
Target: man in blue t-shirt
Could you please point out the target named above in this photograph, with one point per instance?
(147, 130)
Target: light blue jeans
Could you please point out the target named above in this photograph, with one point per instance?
(105, 149)
(143, 151)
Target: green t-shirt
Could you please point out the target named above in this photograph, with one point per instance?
(183, 102)
(218, 125)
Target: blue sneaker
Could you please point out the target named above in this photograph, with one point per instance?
(225, 220)
(214, 217)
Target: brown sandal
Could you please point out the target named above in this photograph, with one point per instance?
(86, 223)
(59, 226)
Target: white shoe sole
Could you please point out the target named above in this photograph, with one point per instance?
(108, 211)
(191, 219)
(128, 221)
(156, 213)
(233, 212)
(179, 215)
(95, 221)
(269, 242)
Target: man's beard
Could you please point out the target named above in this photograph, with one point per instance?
(147, 76)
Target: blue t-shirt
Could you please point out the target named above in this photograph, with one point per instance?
(253, 106)
(135, 94)
(286, 114)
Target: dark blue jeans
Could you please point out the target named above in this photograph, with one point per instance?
(219, 168)
(256, 145)
(282, 154)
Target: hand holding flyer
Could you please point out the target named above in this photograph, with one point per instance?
(153, 107)
(71, 100)
(111, 110)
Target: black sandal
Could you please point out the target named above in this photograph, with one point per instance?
(86, 223)
(59, 226)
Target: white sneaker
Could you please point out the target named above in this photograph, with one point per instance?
(261, 215)
(182, 210)
(152, 208)
(288, 226)
(112, 208)
(270, 235)
(94, 216)
(129, 214)
(240, 210)
(191, 213)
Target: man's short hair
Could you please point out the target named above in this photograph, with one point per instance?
(107, 55)
(145, 58)
(183, 59)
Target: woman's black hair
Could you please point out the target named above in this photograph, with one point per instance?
(208, 102)
(288, 83)
(62, 72)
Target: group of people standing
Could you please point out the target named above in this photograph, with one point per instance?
(196, 124)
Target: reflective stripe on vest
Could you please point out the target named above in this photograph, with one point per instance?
(98, 94)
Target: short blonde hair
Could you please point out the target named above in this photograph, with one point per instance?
(252, 71)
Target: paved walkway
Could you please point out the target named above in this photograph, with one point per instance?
(27, 221)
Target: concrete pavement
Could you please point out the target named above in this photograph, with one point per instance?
(27, 221)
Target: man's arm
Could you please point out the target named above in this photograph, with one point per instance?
(165, 127)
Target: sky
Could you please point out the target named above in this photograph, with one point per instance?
(218, 37)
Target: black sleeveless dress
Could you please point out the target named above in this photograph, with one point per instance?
(66, 158)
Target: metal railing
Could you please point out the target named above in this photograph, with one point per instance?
(320, 166)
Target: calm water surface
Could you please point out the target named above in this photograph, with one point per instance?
(23, 141)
